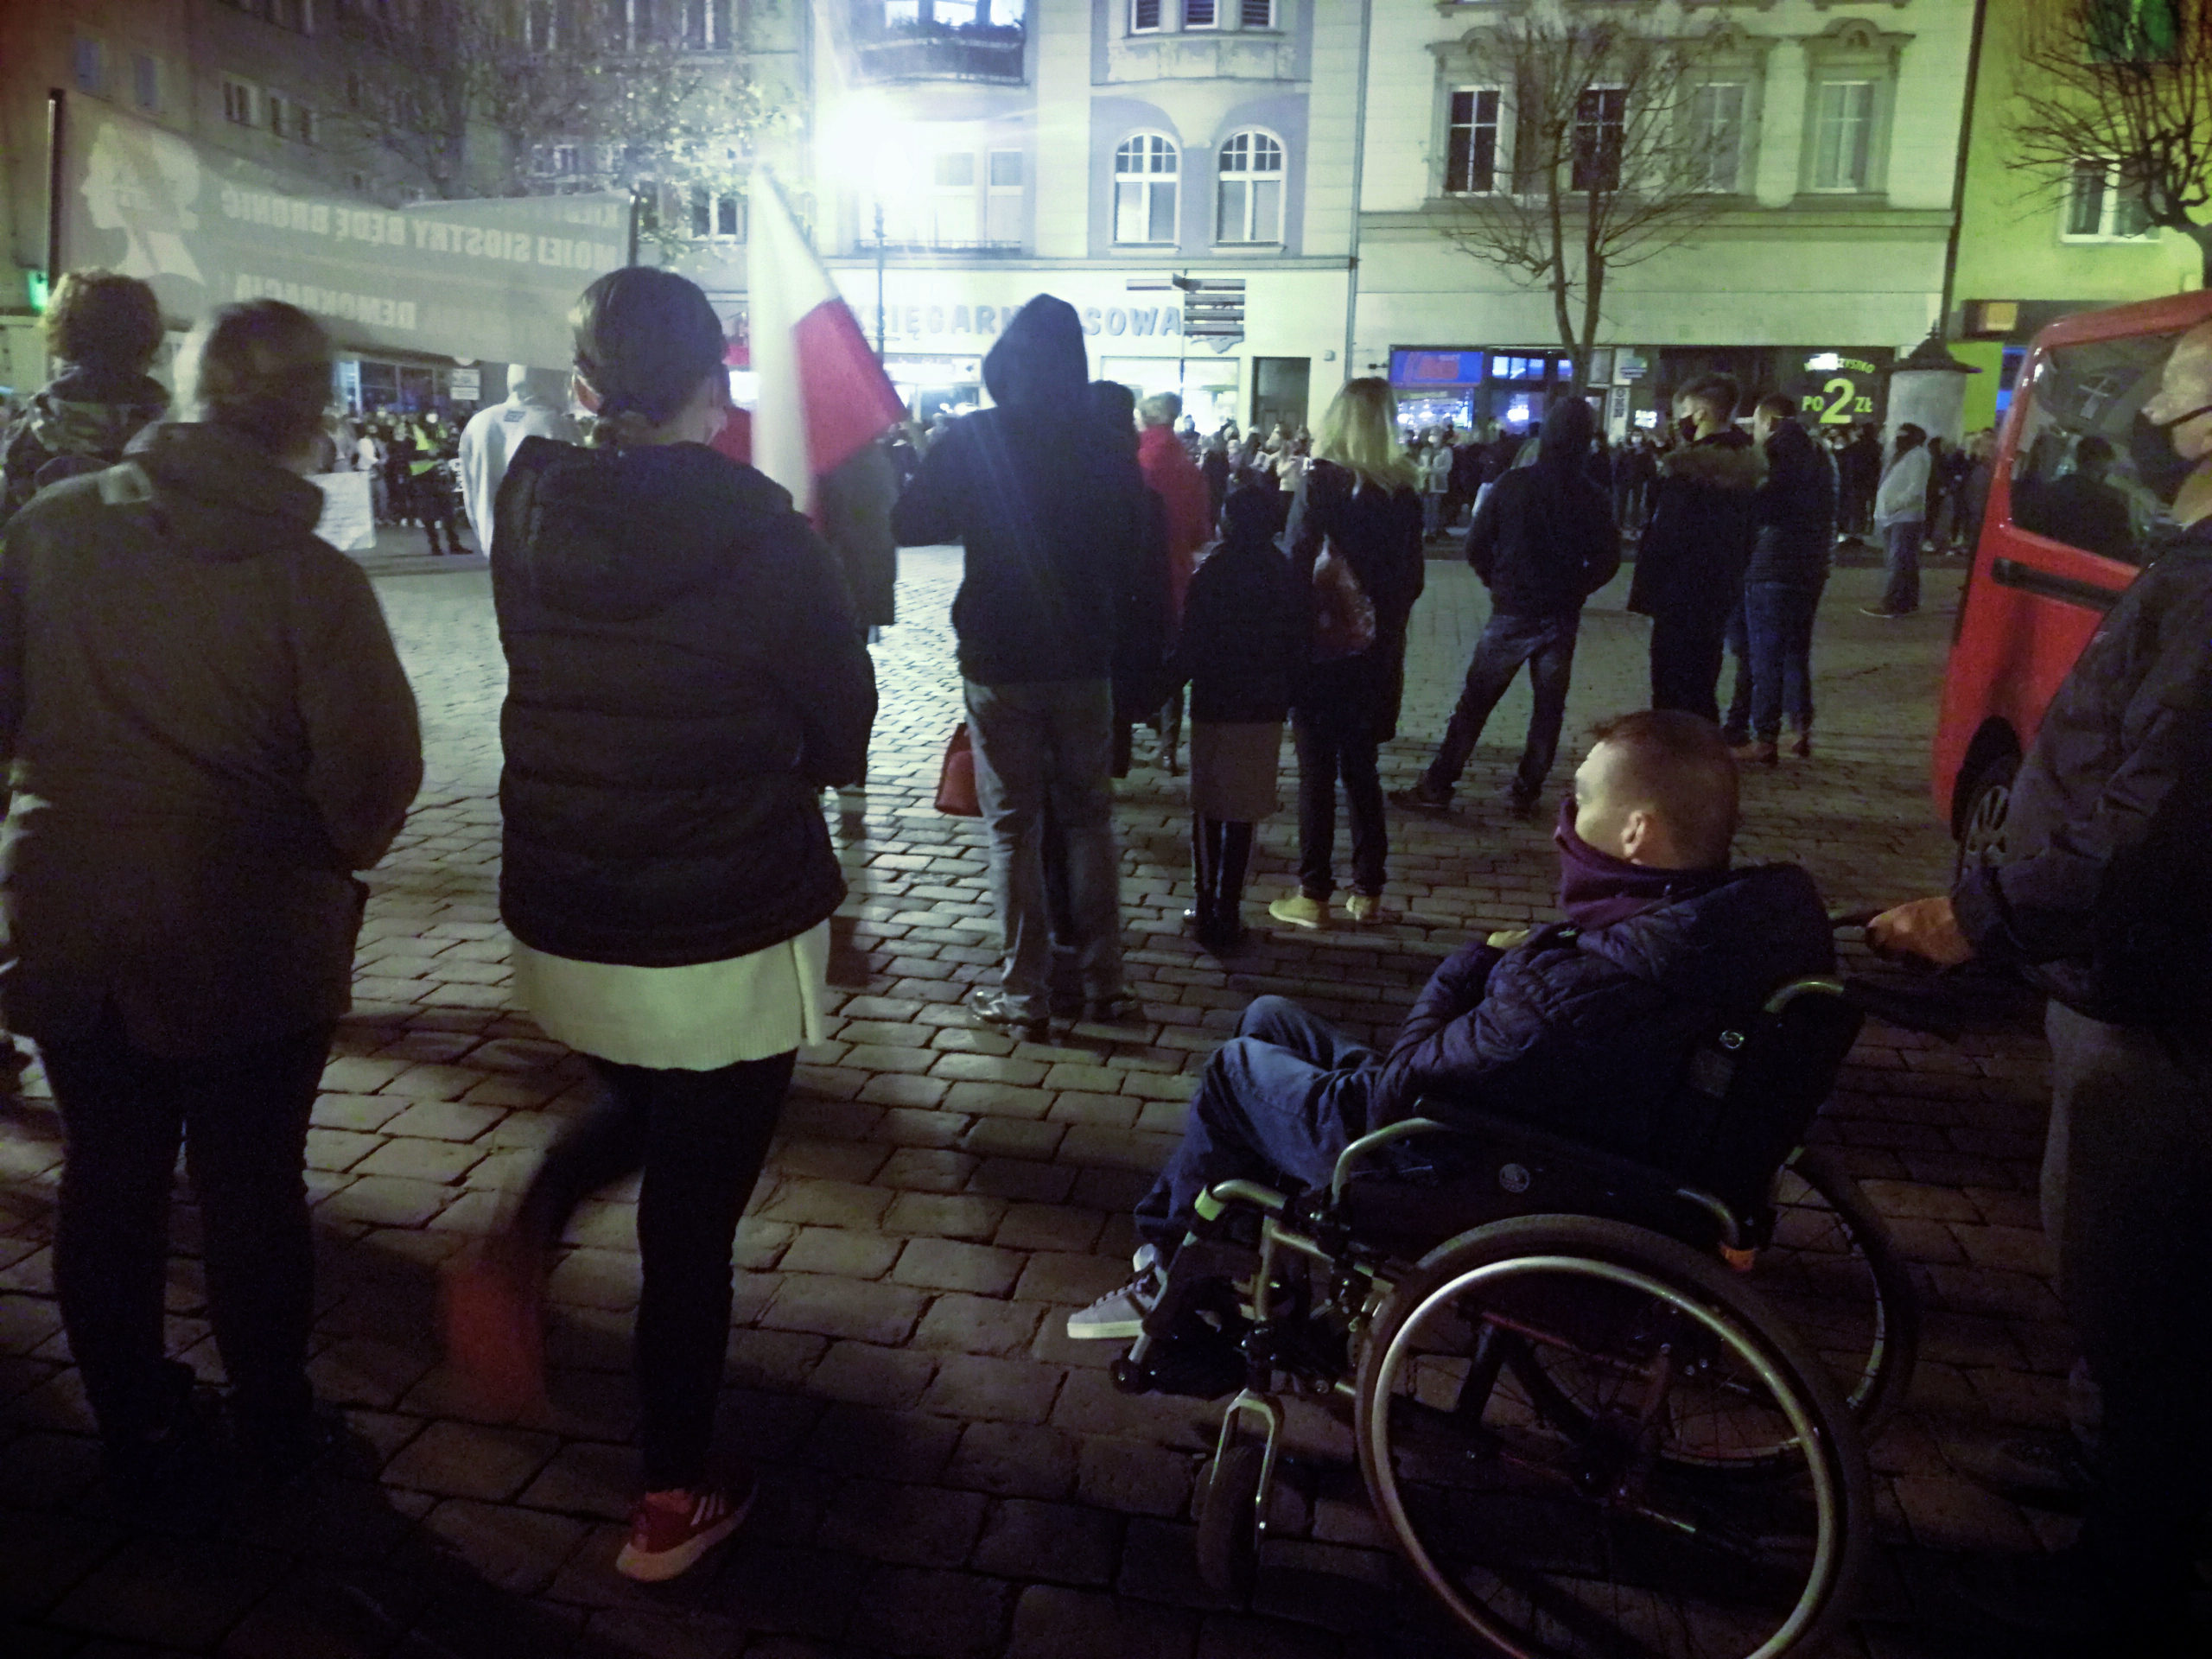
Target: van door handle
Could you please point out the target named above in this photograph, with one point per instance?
(2011, 573)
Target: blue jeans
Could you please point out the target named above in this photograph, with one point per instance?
(1546, 643)
(1276, 1104)
(1771, 635)
(1040, 744)
(1902, 543)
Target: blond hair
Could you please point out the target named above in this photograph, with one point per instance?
(1360, 433)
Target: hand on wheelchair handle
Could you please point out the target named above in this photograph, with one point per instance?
(1925, 929)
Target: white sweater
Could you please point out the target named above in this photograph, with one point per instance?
(1903, 496)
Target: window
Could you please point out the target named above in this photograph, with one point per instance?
(2101, 206)
(302, 124)
(1716, 135)
(238, 102)
(1250, 208)
(1144, 16)
(276, 112)
(716, 213)
(1600, 126)
(1470, 148)
(540, 26)
(2133, 31)
(1200, 14)
(146, 81)
(1147, 174)
(1843, 132)
(629, 24)
(1002, 206)
(952, 199)
(1257, 14)
(88, 63)
(706, 25)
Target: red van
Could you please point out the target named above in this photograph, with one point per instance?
(2078, 503)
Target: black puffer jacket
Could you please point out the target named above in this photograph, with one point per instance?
(1586, 1033)
(2105, 895)
(1378, 533)
(1692, 557)
(1544, 540)
(1054, 522)
(683, 677)
(1796, 510)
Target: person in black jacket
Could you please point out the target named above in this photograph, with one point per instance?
(1689, 564)
(1771, 632)
(1859, 474)
(1055, 524)
(1242, 640)
(1543, 543)
(1583, 1028)
(1358, 501)
(684, 678)
(104, 329)
(2103, 899)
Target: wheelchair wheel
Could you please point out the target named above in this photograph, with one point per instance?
(1619, 1524)
(1833, 1272)
(1229, 1522)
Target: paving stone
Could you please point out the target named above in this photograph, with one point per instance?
(1135, 1477)
(1051, 1623)
(870, 1375)
(518, 1550)
(423, 1161)
(915, 1610)
(977, 1324)
(183, 1590)
(884, 1444)
(836, 1250)
(916, 1526)
(470, 1460)
(1014, 1460)
(830, 1307)
(444, 1120)
(928, 1169)
(1057, 1543)
(979, 1387)
(945, 1264)
(1048, 1227)
(782, 1591)
(944, 1215)
(826, 1203)
(387, 1201)
(1071, 1279)
(586, 1480)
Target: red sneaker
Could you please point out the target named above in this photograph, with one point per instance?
(671, 1531)
(495, 1332)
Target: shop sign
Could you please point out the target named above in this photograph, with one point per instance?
(1417, 370)
(1630, 366)
(466, 386)
(489, 279)
(1841, 388)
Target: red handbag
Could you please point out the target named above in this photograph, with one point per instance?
(956, 779)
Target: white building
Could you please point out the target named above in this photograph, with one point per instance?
(979, 152)
(1826, 259)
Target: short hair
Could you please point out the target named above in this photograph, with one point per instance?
(1910, 434)
(2091, 451)
(1160, 409)
(1252, 514)
(1717, 391)
(104, 320)
(1680, 765)
(261, 369)
(645, 339)
(1781, 408)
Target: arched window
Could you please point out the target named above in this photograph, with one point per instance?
(1250, 202)
(1147, 174)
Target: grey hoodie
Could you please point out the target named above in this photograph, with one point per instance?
(209, 731)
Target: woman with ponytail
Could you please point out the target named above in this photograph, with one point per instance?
(683, 679)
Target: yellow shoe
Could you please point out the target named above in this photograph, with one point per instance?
(1298, 911)
(1368, 907)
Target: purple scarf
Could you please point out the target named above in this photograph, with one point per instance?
(1596, 889)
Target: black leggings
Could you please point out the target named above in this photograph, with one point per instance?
(1334, 743)
(701, 1138)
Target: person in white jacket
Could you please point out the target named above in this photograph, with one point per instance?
(537, 407)
(1901, 517)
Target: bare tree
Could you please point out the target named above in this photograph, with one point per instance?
(1597, 155)
(529, 96)
(2116, 95)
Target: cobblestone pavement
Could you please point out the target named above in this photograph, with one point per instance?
(944, 1473)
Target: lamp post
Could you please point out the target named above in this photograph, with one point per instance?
(879, 278)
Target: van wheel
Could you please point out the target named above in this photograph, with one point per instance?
(1989, 804)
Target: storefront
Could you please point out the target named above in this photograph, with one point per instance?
(937, 325)
(1469, 387)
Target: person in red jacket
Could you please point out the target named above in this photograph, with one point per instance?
(1183, 490)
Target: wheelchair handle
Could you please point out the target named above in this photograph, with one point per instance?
(1359, 1150)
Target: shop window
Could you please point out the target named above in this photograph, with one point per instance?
(1250, 205)
(1471, 146)
(1716, 136)
(1843, 132)
(1002, 206)
(1144, 16)
(1146, 178)
(1257, 14)
(1600, 128)
(2101, 206)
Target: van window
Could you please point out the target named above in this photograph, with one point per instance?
(2090, 471)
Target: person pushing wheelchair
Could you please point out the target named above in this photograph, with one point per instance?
(1583, 1028)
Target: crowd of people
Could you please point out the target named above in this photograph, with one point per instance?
(210, 733)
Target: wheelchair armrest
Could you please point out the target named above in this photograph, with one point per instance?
(1373, 1141)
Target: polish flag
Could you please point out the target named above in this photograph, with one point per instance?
(823, 396)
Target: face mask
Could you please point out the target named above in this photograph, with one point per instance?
(2151, 448)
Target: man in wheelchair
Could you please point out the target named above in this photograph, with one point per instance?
(1584, 1027)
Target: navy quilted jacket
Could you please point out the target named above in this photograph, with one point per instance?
(1586, 1033)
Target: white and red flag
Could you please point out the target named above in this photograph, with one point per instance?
(822, 395)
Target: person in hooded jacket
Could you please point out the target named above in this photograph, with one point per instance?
(685, 678)
(1359, 502)
(1055, 524)
(1583, 1028)
(208, 732)
(1772, 632)
(1690, 561)
(537, 406)
(104, 327)
(1544, 541)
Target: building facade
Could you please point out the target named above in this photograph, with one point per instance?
(973, 153)
(1833, 130)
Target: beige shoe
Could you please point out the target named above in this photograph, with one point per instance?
(1299, 911)
(1368, 907)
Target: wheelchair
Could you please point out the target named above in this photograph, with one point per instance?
(1603, 1407)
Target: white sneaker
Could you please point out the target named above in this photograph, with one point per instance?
(1119, 1316)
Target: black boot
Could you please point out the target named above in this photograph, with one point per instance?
(1233, 853)
(1200, 915)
